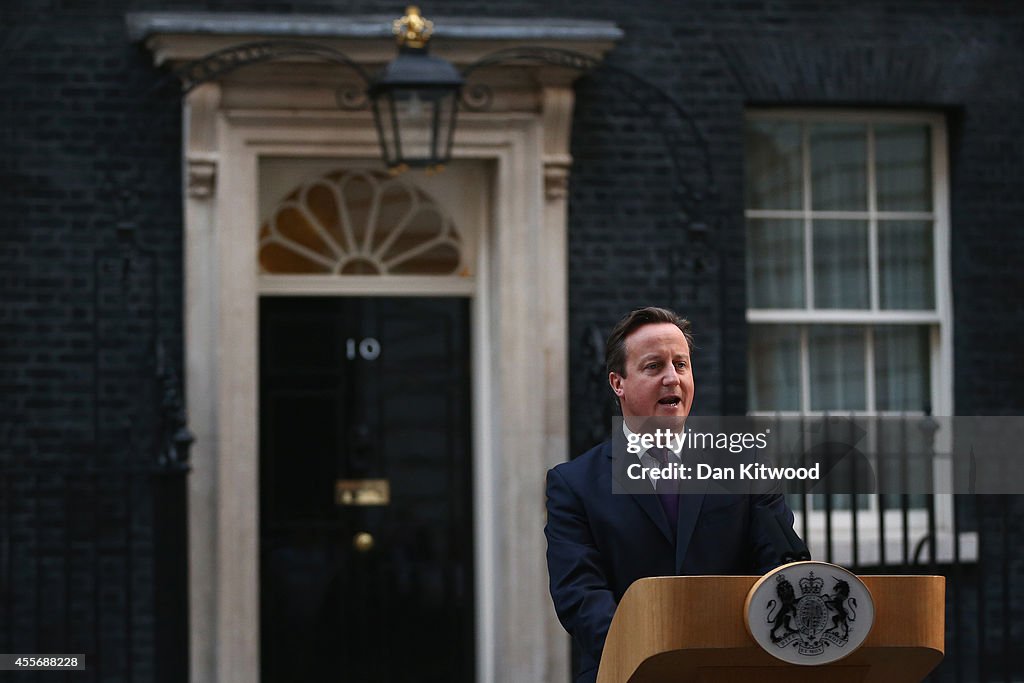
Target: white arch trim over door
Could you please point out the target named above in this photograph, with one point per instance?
(519, 361)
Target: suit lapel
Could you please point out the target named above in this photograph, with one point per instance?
(689, 511)
(648, 502)
(652, 506)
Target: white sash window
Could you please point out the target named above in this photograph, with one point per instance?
(848, 291)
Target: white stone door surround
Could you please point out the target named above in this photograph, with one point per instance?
(519, 308)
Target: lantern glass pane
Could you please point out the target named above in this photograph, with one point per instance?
(445, 125)
(415, 111)
(384, 111)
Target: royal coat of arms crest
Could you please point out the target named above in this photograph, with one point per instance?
(817, 614)
(805, 621)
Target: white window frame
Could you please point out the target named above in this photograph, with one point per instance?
(941, 338)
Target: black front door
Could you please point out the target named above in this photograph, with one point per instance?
(365, 508)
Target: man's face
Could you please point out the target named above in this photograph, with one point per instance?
(658, 380)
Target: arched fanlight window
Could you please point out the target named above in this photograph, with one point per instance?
(359, 223)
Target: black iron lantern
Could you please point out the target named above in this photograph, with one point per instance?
(415, 100)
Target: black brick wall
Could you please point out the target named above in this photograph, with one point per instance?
(90, 253)
(90, 225)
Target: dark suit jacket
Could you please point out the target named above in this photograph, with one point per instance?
(599, 543)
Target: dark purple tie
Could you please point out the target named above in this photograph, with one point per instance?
(668, 490)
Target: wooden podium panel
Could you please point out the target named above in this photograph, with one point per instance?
(690, 629)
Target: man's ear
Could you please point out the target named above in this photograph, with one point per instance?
(615, 381)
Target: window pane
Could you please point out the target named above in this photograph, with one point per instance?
(837, 367)
(905, 265)
(840, 264)
(902, 367)
(773, 165)
(774, 367)
(775, 263)
(903, 168)
(839, 167)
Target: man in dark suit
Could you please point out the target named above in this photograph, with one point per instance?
(599, 542)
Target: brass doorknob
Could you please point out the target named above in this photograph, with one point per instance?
(362, 542)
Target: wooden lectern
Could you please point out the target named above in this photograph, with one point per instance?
(683, 629)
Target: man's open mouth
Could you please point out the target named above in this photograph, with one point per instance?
(670, 401)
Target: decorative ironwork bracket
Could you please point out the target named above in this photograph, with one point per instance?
(222, 62)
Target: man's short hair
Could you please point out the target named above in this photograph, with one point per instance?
(615, 347)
